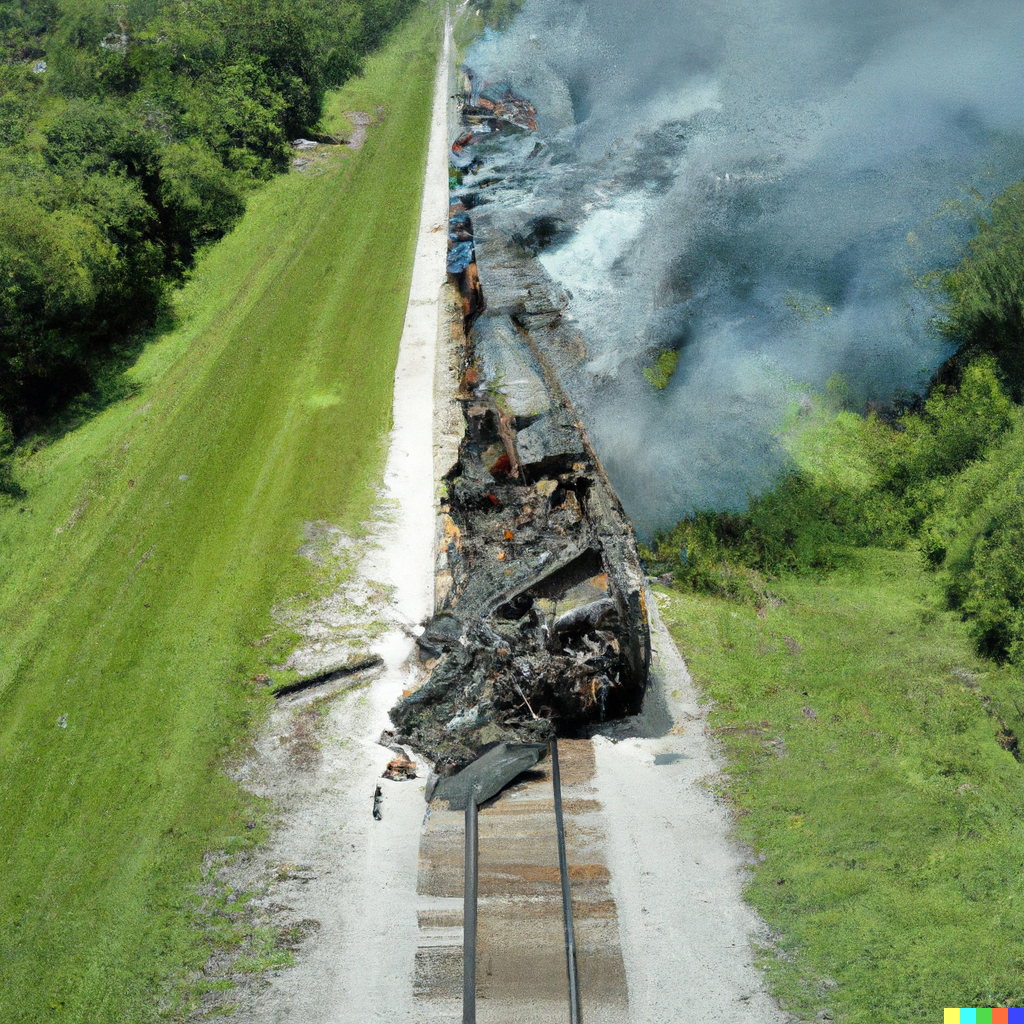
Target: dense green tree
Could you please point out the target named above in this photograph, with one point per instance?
(23, 23)
(198, 197)
(129, 136)
(978, 531)
(986, 290)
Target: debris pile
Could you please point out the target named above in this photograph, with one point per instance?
(400, 769)
(461, 264)
(540, 624)
(493, 110)
(497, 102)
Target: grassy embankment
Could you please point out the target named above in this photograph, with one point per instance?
(868, 767)
(143, 563)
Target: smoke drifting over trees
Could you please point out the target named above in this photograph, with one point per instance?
(759, 187)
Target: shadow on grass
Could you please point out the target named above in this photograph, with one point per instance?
(106, 382)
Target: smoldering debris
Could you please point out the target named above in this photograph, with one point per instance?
(494, 110)
(540, 625)
(496, 102)
(757, 187)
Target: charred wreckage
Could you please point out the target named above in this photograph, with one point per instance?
(540, 625)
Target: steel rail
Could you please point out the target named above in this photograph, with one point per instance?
(470, 894)
(575, 1013)
(469, 914)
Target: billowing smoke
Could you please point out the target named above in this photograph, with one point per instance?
(756, 184)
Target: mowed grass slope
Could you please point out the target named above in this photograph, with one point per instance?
(154, 541)
(868, 768)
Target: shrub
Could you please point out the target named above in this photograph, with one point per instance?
(985, 309)
(155, 118)
(958, 425)
(199, 198)
(659, 375)
(796, 527)
(949, 477)
(976, 535)
(9, 487)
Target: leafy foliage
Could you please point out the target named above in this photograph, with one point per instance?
(9, 487)
(986, 290)
(129, 138)
(796, 527)
(948, 480)
(976, 535)
(661, 372)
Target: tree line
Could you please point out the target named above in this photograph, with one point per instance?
(944, 475)
(130, 135)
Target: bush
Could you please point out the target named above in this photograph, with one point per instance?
(986, 579)
(199, 198)
(100, 137)
(156, 119)
(985, 309)
(957, 426)
(976, 536)
(9, 487)
(54, 267)
(82, 269)
(796, 527)
(949, 477)
(240, 118)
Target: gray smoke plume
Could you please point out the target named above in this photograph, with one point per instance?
(755, 184)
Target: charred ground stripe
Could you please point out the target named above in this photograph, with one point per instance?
(521, 968)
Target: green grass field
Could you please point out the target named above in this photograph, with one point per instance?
(867, 766)
(154, 541)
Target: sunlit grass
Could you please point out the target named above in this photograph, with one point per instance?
(863, 735)
(153, 542)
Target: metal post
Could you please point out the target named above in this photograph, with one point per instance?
(469, 916)
(575, 1013)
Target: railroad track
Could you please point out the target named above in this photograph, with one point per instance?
(522, 921)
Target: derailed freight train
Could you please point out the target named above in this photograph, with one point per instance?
(540, 624)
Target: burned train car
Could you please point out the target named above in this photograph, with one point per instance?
(540, 623)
